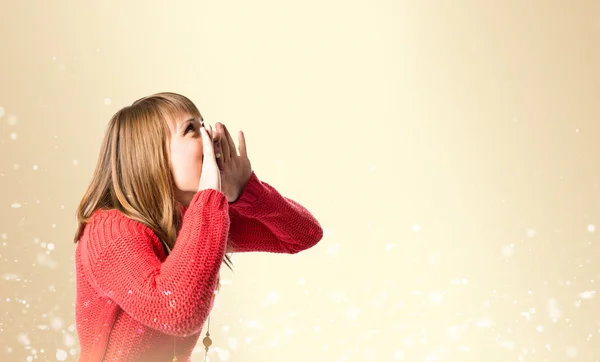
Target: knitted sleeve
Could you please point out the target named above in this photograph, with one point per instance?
(264, 220)
(174, 297)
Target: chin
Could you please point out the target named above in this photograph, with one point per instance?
(185, 196)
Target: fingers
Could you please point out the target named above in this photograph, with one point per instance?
(217, 147)
(214, 135)
(230, 143)
(226, 146)
(207, 145)
(209, 177)
(223, 144)
(242, 143)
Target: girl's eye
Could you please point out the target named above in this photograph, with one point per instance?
(190, 127)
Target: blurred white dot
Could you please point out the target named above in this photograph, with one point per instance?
(57, 323)
(54, 226)
(45, 260)
(272, 298)
(29, 358)
(540, 328)
(12, 120)
(301, 281)
(531, 233)
(16, 166)
(416, 228)
(435, 297)
(107, 101)
(572, 352)
(13, 136)
(435, 258)
(54, 58)
(484, 323)
(16, 205)
(591, 228)
(35, 167)
(75, 162)
(399, 355)
(3, 236)
(233, 343)
(23, 339)
(1, 112)
(252, 324)
(352, 312)
(327, 232)
(223, 354)
(373, 167)
(61, 354)
(508, 250)
(50, 246)
(588, 294)
(333, 249)
(553, 309)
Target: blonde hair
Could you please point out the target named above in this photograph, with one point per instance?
(133, 172)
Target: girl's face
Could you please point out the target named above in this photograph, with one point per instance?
(186, 153)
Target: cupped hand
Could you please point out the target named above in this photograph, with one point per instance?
(234, 165)
(210, 178)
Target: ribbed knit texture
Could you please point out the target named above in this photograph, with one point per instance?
(135, 304)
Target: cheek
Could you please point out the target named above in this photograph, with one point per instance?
(186, 158)
(196, 150)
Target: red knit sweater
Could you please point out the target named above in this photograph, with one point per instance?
(135, 304)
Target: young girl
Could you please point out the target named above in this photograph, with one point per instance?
(162, 209)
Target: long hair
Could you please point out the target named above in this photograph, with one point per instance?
(133, 173)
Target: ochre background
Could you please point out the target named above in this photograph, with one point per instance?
(449, 149)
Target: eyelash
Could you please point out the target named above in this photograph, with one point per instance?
(188, 128)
